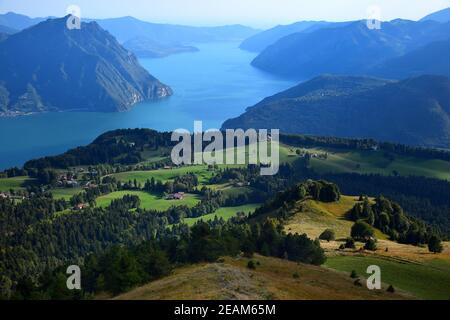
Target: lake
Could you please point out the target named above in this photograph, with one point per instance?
(211, 85)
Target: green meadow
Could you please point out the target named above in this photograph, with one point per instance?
(65, 193)
(425, 280)
(366, 162)
(225, 213)
(165, 174)
(15, 183)
(149, 201)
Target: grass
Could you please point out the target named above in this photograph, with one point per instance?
(166, 174)
(149, 201)
(65, 193)
(16, 183)
(225, 213)
(423, 280)
(272, 279)
(365, 162)
(313, 217)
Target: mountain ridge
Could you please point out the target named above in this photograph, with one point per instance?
(414, 111)
(84, 69)
(357, 48)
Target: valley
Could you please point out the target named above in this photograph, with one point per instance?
(147, 187)
(111, 169)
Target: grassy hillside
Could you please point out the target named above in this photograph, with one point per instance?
(410, 268)
(15, 183)
(225, 213)
(272, 279)
(313, 217)
(424, 280)
(148, 200)
(378, 162)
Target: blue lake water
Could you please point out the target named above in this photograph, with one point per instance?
(211, 85)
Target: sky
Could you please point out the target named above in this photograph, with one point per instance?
(256, 13)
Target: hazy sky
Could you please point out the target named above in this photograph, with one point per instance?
(259, 13)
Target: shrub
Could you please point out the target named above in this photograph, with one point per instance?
(327, 235)
(251, 265)
(361, 230)
(391, 289)
(350, 243)
(434, 245)
(353, 274)
(371, 245)
(296, 275)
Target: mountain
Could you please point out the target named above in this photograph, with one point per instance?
(429, 59)
(128, 28)
(50, 68)
(414, 111)
(7, 30)
(439, 16)
(147, 39)
(18, 21)
(147, 48)
(262, 40)
(351, 49)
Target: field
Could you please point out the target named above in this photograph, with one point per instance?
(15, 183)
(365, 162)
(424, 280)
(409, 268)
(225, 213)
(313, 217)
(165, 174)
(148, 200)
(272, 279)
(65, 193)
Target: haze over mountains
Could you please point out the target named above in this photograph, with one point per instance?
(48, 67)
(439, 16)
(147, 39)
(350, 49)
(414, 111)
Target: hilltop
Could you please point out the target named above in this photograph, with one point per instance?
(272, 279)
(413, 111)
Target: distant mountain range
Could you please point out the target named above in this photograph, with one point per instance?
(7, 30)
(439, 16)
(128, 28)
(48, 67)
(147, 48)
(18, 21)
(262, 40)
(150, 39)
(432, 58)
(352, 49)
(415, 111)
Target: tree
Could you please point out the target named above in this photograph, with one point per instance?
(435, 245)
(361, 231)
(327, 235)
(353, 274)
(371, 245)
(350, 243)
